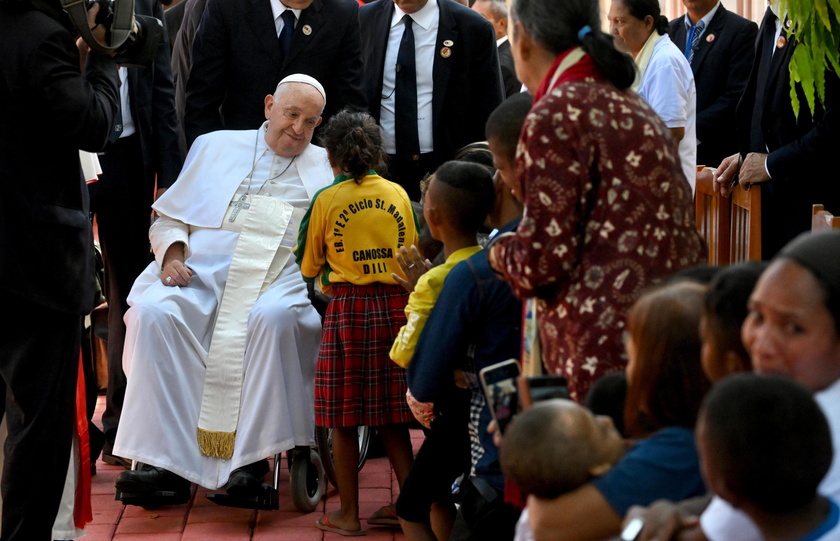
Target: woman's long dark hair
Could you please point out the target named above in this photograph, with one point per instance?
(556, 25)
(667, 383)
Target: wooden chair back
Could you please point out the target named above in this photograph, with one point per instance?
(745, 224)
(822, 219)
(712, 215)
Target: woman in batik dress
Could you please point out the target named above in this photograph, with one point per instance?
(608, 211)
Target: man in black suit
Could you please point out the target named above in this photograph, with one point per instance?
(48, 111)
(139, 165)
(238, 57)
(721, 64)
(182, 59)
(458, 82)
(496, 12)
(174, 16)
(791, 156)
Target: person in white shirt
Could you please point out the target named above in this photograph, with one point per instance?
(665, 79)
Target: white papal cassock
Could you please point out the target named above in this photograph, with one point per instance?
(169, 329)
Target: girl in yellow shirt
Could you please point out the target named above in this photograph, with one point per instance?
(348, 242)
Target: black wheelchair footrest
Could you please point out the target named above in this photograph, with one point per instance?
(152, 500)
(267, 499)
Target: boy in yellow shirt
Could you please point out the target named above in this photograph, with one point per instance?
(459, 198)
(460, 195)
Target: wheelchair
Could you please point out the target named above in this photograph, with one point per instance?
(307, 485)
(309, 469)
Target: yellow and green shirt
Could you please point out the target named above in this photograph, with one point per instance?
(420, 304)
(352, 232)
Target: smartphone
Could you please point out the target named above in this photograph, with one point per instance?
(546, 387)
(500, 389)
(632, 530)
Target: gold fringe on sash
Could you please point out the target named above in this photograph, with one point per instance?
(216, 444)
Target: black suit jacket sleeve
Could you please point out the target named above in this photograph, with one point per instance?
(720, 113)
(468, 84)
(161, 146)
(349, 85)
(207, 79)
(813, 153)
(83, 108)
(48, 111)
(485, 76)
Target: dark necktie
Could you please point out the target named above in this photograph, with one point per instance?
(757, 142)
(287, 32)
(405, 115)
(694, 39)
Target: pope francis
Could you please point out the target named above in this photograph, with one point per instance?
(222, 339)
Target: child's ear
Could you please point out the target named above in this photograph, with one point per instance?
(433, 217)
(600, 469)
(732, 362)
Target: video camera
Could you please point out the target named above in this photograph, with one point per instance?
(134, 38)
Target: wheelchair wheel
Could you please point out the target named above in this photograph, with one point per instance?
(306, 481)
(323, 437)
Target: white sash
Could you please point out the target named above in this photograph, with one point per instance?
(257, 261)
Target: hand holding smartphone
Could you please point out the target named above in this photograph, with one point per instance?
(500, 389)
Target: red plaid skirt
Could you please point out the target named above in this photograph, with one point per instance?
(356, 382)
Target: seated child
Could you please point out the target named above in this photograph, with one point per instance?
(765, 446)
(725, 309)
(555, 447)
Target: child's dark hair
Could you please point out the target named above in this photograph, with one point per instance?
(470, 196)
(353, 142)
(768, 440)
(560, 26)
(478, 152)
(504, 125)
(725, 305)
(701, 274)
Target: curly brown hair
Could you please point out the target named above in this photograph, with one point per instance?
(353, 143)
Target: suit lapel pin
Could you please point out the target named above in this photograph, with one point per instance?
(710, 38)
(307, 30)
(448, 43)
(446, 52)
(781, 42)
(787, 24)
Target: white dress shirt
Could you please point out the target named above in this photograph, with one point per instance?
(425, 26)
(277, 9)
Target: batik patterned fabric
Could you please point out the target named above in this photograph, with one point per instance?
(608, 212)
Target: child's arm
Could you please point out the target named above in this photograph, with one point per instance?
(417, 311)
(310, 252)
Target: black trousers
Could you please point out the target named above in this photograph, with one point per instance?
(408, 172)
(121, 201)
(444, 455)
(39, 356)
(483, 514)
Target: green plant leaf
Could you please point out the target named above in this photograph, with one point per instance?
(834, 7)
(822, 10)
(801, 72)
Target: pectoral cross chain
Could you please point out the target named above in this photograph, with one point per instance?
(239, 205)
